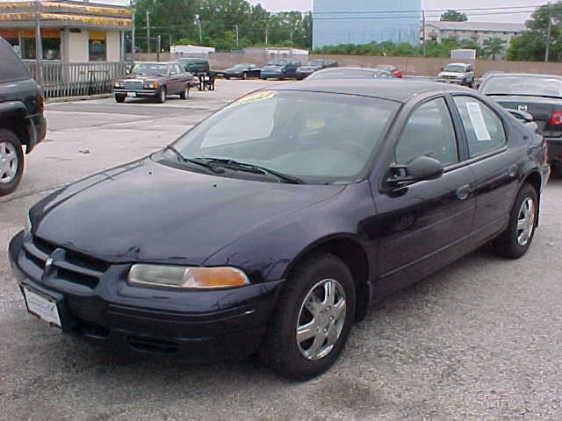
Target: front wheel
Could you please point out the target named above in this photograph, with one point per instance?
(11, 162)
(517, 238)
(312, 319)
(120, 98)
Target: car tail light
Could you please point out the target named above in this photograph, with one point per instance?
(397, 73)
(555, 119)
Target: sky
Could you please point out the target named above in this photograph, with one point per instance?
(304, 5)
(279, 5)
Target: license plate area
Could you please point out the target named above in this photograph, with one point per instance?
(132, 94)
(43, 307)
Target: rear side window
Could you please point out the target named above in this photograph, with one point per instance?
(11, 67)
(484, 129)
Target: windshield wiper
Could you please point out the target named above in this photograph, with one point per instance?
(252, 168)
(196, 161)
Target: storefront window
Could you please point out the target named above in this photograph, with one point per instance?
(97, 46)
(23, 42)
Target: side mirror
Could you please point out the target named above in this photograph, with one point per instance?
(420, 169)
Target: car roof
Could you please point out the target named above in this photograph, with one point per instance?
(537, 75)
(155, 62)
(457, 64)
(398, 90)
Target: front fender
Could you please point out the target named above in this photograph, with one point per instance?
(267, 253)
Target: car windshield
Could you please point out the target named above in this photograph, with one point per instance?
(521, 85)
(349, 74)
(239, 67)
(151, 69)
(455, 68)
(318, 137)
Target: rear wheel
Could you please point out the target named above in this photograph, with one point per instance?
(11, 162)
(312, 319)
(517, 238)
(162, 95)
(120, 98)
(186, 93)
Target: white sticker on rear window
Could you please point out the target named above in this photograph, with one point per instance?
(478, 123)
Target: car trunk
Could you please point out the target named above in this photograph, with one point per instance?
(541, 108)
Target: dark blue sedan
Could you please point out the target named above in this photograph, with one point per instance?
(273, 225)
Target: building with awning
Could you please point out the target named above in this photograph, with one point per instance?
(71, 31)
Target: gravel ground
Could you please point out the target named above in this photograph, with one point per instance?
(481, 339)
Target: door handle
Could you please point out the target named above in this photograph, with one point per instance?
(463, 192)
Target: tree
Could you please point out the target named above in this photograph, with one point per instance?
(491, 47)
(453, 16)
(531, 44)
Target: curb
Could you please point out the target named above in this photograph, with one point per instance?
(77, 98)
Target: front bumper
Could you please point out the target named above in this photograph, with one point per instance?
(453, 81)
(200, 325)
(138, 93)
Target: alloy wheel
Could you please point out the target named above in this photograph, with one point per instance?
(526, 221)
(321, 319)
(8, 162)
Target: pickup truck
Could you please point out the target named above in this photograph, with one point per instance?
(22, 124)
(457, 73)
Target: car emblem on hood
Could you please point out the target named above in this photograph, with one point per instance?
(522, 107)
(56, 255)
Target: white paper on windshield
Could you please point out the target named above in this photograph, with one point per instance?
(478, 123)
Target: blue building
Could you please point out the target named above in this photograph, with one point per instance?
(364, 21)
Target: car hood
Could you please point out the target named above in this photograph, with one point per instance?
(145, 77)
(451, 74)
(147, 211)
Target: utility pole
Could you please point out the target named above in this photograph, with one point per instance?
(133, 31)
(237, 37)
(266, 34)
(200, 30)
(148, 31)
(423, 32)
(158, 46)
(548, 31)
(38, 42)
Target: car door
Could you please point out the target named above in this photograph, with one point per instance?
(494, 164)
(177, 77)
(423, 226)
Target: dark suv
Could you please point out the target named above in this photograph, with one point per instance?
(21, 117)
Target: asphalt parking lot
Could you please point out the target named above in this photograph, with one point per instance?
(479, 340)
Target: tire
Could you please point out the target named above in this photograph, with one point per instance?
(11, 162)
(514, 242)
(186, 93)
(244, 76)
(301, 360)
(162, 95)
(120, 98)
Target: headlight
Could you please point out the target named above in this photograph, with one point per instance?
(187, 277)
(118, 84)
(151, 85)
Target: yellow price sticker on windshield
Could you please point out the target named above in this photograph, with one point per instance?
(255, 97)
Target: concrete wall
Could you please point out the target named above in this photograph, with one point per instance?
(416, 66)
(77, 47)
(113, 46)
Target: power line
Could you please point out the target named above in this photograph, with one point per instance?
(427, 10)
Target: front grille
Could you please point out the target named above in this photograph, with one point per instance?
(134, 84)
(67, 265)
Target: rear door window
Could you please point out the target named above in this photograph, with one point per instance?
(11, 67)
(484, 129)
